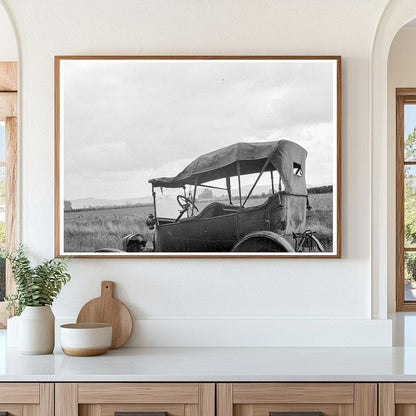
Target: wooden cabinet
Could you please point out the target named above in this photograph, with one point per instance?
(107, 399)
(397, 399)
(208, 399)
(297, 399)
(27, 399)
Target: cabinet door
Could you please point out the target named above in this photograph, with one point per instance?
(297, 399)
(142, 399)
(26, 399)
(397, 399)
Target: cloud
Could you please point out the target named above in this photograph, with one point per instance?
(131, 119)
(117, 184)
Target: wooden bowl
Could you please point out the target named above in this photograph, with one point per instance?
(84, 340)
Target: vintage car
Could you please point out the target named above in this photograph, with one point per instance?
(275, 225)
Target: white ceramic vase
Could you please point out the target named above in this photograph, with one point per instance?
(12, 334)
(37, 330)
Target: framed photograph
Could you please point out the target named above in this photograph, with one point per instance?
(198, 156)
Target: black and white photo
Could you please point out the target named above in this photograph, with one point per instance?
(198, 156)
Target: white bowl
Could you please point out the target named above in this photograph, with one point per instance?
(84, 340)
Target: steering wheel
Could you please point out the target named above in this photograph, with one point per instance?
(185, 202)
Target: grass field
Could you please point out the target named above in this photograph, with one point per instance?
(319, 218)
(91, 229)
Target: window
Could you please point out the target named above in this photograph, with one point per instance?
(406, 199)
(8, 165)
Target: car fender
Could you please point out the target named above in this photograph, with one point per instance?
(267, 235)
(108, 250)
(134, 242)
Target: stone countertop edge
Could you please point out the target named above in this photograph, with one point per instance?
(214, 365)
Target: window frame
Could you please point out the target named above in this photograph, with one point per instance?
(8, 113)
(403, 96)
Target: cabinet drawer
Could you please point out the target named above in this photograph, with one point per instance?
(297, 399)
(19, 393)
(138, 393)
(21, 399)
(146, 399)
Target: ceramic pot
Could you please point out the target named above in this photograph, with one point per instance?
(12, 334)
(83, 340)
(37, 330)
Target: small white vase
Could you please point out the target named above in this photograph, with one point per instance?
(37, 330)
(12, 334)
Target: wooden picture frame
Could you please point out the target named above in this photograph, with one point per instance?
(245, 151)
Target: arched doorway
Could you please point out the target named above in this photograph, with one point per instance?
(396, 15)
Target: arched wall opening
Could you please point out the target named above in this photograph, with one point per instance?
(401, 73)
(396, 15)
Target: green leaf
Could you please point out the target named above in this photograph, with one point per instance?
(35, 286)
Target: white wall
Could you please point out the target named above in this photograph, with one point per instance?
(8, 47)
(401, 74)
(203, 302)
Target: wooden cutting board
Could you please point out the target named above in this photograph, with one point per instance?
(108, 310)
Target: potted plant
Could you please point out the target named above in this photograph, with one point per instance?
(36, 289)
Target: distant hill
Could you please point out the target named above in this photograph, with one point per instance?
(258, 190)
(321, 189)
(97, 202)
(266, 189)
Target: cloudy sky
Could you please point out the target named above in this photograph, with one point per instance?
(127, 121)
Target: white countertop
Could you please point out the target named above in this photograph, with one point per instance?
(215, 364)
(221, 364)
